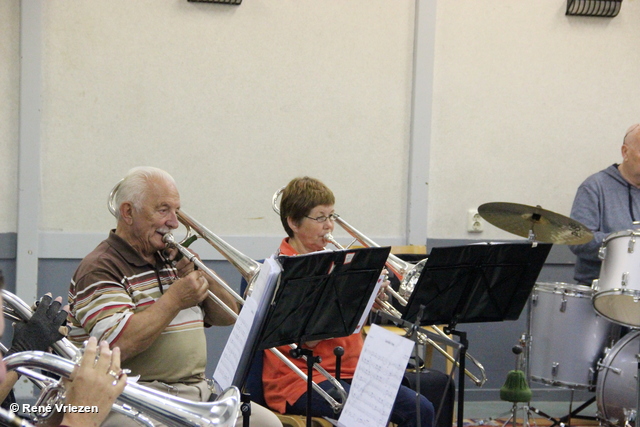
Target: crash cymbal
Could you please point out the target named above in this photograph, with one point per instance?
(535, 223)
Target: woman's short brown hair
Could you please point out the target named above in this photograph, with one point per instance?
(299, 197)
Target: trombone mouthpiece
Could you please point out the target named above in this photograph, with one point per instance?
(168, 238)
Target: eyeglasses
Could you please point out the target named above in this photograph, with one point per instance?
(323, 218)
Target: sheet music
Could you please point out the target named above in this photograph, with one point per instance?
(235, 346)
(230, 357)
(377, 378)
(372, 299)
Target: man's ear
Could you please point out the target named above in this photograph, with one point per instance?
(126, 212)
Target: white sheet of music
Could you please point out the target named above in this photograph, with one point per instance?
(230, 357)
(372, 299)
(228, 363)
(377, 378)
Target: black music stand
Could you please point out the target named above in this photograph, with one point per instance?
(320, 295)
(474, 283)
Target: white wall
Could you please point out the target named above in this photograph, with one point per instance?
(527, 103)
(233, 101)
(236, 100)
(9, 110)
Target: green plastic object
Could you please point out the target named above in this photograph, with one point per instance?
(515, 388)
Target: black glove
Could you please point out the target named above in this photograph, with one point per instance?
(41, 330)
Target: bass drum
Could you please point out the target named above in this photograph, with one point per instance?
(566, 336)
(616, 390)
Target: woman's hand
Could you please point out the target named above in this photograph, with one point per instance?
(96, 381)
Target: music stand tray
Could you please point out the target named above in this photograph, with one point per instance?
(321, 295)
(476, 283)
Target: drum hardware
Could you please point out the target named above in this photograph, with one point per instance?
(602, 367)
(554, 369)
(535, 223)
(602, 252)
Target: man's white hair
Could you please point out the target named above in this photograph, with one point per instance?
(135, 184)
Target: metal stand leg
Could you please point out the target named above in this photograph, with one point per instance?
(575, 413)
(527, 415)
(635, 416)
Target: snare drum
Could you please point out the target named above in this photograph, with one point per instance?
(617, 290)
(566, 337)
(616, 390)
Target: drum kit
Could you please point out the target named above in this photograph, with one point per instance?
(573, 338)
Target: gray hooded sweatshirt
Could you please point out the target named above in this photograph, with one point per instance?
(605, 203)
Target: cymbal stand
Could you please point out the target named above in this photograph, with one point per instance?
(633, 417)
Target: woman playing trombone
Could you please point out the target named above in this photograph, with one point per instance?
(307, 214)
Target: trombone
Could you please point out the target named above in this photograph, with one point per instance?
(408, 274)
(249, 269)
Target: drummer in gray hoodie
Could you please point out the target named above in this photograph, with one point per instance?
(607, 202)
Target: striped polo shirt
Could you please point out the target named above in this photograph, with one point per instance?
(113, 283)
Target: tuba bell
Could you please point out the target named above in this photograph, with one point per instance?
(170, 410)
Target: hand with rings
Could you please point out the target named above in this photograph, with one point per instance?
(98, 383)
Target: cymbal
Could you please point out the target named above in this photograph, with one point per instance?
(535, 223)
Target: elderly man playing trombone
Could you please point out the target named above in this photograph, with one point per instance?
(129, 292)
